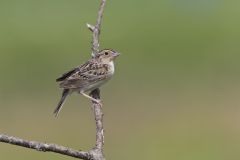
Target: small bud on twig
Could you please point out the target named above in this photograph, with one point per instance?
(90, 27)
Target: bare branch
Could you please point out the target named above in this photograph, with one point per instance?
(97, 152)
(99, 120)
(97, 108)
(96, 29)
(44, 147)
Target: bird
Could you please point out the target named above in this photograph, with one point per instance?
(87, 77)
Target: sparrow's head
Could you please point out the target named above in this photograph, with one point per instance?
(107, 55)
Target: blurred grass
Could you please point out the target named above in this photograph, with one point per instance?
(174, 95)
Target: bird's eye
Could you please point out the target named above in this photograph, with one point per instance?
(106, 53)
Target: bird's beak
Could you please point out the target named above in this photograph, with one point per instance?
(116, 54)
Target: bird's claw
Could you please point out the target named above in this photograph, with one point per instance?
(98, 101)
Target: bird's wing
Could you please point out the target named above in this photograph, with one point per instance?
(75, 70)
(67, 74)
(86, 74)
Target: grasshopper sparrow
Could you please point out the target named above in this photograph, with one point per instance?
(88, 76)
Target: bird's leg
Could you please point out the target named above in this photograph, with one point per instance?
(93, 99)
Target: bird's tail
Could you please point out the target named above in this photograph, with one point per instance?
(61, 102)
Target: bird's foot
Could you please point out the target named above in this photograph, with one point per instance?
(98, 101)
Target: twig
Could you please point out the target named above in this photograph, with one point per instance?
(44, 147)
(99, 120)
(96, 29)
(97, 152)
(96, 93)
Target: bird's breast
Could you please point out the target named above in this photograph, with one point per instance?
(111, 68)
(92, 86)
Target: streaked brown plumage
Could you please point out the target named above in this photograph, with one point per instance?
(88, 76)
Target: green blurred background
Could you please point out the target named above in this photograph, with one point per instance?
(175, 94)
